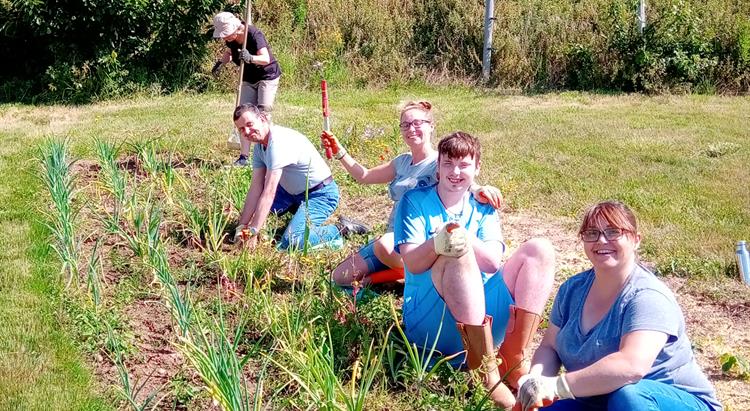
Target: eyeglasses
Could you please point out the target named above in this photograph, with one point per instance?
(592, 234)
(416, 123)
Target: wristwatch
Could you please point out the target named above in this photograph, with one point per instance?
(253, 231)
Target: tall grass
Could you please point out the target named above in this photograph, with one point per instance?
(62, 220)
(538, 44)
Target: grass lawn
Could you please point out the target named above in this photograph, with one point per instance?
(681, 162)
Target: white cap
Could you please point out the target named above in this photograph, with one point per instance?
(225, 24)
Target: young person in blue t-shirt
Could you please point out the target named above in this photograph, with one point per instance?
(458, 294)
(416, 168)
(618, 331)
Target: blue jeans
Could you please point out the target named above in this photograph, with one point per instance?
(374, 264)
(646, 395)
(320, 205)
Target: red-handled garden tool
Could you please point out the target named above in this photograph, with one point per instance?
(326, 119)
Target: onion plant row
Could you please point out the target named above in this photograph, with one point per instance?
(62, 220)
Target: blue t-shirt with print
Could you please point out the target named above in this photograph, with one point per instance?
(421, 213)
(645, 303)
(408, 176)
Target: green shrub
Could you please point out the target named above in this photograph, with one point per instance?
(100, 49)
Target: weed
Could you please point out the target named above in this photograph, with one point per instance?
(130, 390)
(420, 368)
(735, 364)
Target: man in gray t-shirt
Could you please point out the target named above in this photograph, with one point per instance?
(285, 166)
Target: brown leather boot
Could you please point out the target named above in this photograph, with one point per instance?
(480, 353)
(514, 357)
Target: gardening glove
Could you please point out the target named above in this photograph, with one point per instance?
(238, 233)
(536, 390)
(488, 195)
(217, 68)
(330, 141)
(247, 57)
(451, 240)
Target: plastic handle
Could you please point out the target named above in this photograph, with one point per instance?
(326, 121)
(451, 227)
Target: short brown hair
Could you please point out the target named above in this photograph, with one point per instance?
(244, 108)
(459, 145)
(424, 106)
(615, 213)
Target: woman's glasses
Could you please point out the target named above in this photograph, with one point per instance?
(592, 235)
(416, 123)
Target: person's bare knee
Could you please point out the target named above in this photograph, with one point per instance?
(351, 269)
(539, 256)
(383, 248)
(453, 266)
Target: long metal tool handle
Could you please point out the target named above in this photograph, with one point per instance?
(326, 118)
(248, 22)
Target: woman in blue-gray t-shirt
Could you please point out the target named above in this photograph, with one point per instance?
(618, 332)
(417, 168)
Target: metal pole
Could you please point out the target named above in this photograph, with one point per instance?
(641, 16)
(489, 12)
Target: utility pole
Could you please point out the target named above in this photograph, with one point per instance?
(641, 16)
(489, 13)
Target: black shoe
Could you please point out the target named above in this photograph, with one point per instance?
(348, 227)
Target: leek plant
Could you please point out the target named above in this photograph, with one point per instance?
(317, 378)
(235, 184)
(93, 276)
(195, 222)
(169, 178)
(62, 220)
(215, 357)
(112, 178)
(179, 304)
(216, 225)
(148, 158)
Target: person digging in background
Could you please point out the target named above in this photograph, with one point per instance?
(260, 79)
(416, 168)
(617, 330)
(457, 295)
(285, 165)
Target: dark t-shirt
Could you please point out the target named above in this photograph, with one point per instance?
(255, 41)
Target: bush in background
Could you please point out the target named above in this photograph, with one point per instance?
(75, 50)
(78, 50)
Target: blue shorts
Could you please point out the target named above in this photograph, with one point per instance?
(368, 254)
(422, 319)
